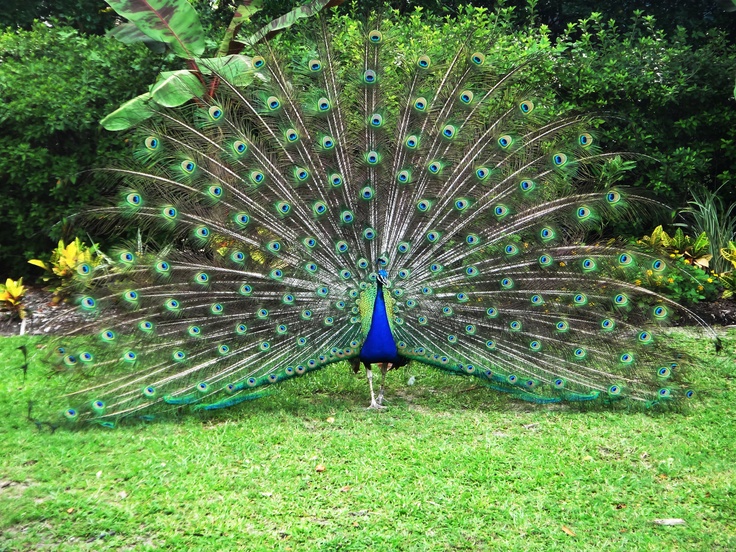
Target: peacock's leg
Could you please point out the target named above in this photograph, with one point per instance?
(385, 367)
(355, 364)
(373, 404)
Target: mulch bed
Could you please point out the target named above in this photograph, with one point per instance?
(43, 315)
(717, 313)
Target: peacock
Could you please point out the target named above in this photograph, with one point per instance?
(369, 210)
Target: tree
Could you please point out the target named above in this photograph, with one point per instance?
(87, 16)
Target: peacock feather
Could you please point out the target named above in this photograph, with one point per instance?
(329, 214)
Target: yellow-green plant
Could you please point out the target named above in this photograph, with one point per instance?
(69, 265)
(729, 253)
(695, 251)
(728, 279)
(11, 297)
(711, 215)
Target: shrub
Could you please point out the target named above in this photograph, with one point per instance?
(69, 267)
(710, 216)
(689, 279)
(55, 85)
(11, 297)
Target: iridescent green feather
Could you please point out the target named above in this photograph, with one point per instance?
(280, 201)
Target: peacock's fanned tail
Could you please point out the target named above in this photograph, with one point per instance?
(283, 199)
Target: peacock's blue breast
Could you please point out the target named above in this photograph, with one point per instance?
(379, 345)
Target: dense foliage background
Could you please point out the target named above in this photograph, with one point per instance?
(660, 75)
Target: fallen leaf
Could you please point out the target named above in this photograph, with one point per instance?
(70, 511)
(331, 420)
(345, 489)
(670, 521)
(320, 468)
(568, 531)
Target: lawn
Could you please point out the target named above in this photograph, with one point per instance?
(449, 466)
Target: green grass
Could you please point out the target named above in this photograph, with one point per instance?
(450, 466)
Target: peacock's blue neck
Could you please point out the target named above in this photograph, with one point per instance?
(379, 345)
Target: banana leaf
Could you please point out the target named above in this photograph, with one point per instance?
(174, 22)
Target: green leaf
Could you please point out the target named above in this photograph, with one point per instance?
(701, 244)
(174, 22)
(679, 240)
(175, 88)
(242, 14)
(236, 69)
(129, 114)
(128, 33)
(288, 19)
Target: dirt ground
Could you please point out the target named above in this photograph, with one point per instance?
(43, 315)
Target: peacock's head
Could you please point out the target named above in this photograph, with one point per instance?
(382, 278)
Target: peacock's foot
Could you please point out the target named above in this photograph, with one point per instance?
(375, 405)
